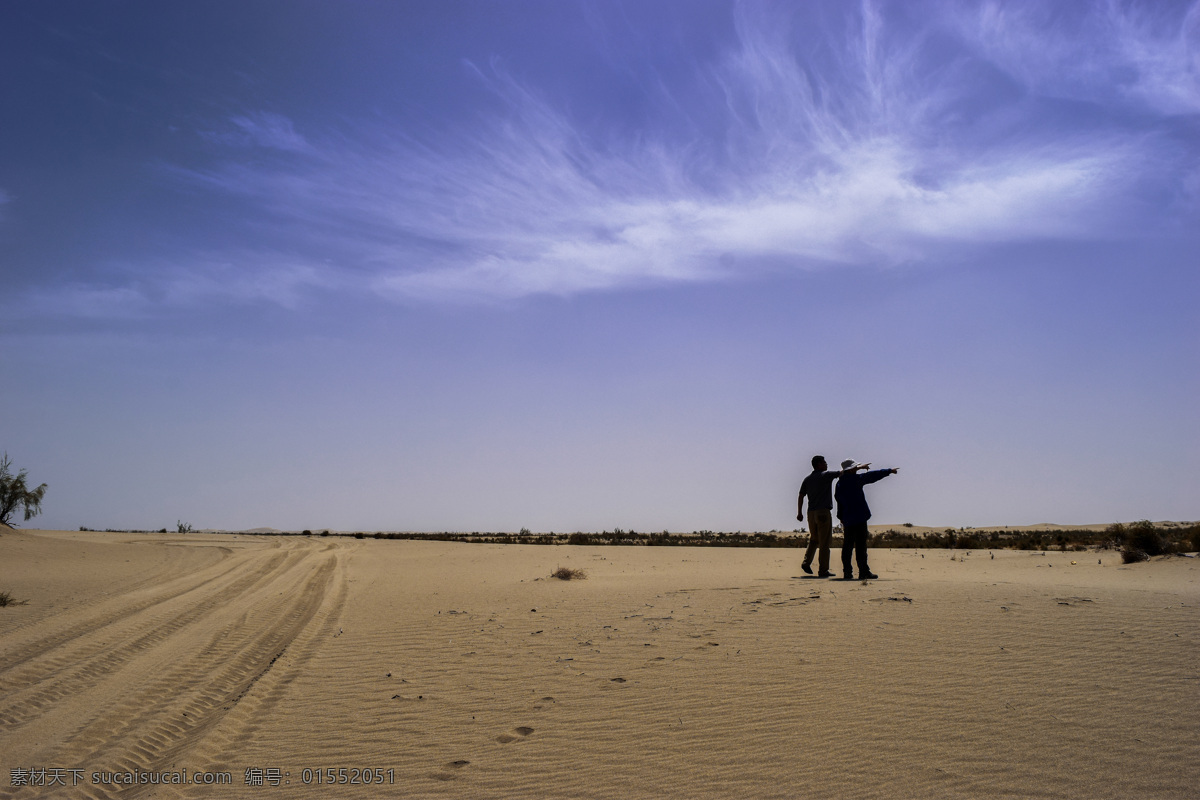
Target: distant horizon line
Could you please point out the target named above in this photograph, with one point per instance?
(527, 531)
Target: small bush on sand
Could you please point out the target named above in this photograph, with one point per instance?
(1145, 537)
(568, 574)
(6, 599)
(1140, 541)
(1131, 555)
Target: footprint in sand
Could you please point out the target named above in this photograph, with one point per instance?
(520, 732)
(447, 773)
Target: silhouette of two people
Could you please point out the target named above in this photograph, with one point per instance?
(853, 513)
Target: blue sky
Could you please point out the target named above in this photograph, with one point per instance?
(580, 265)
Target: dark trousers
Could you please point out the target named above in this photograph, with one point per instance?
(854, 539)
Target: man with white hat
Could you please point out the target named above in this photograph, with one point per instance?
(853, 512)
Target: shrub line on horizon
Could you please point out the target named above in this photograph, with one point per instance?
(1138, 537)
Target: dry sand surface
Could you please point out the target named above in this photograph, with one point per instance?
(461, 670)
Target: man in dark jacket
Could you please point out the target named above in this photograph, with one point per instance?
(853, 512)
(817, 487)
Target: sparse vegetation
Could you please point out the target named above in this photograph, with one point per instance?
(1170, 538)
(1131, 555)
(1144, 536)
(15, 494)
(181, 527)
(1139, 541)
(6, 599)
(568, 574)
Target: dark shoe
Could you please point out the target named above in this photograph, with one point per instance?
(867, 576)
(806, 568)
(825, 574)
(849, 576)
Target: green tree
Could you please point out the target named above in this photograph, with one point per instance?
(16, 494)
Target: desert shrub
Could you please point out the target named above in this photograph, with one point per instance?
(1131, 555)
(1181, 538)
(358, 535)
(568, 574)
(1114, 536)
(579, 538)
(15, 494)
(6, 599)
(1145, 537)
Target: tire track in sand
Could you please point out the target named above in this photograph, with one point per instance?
(199, 687)
(86, 658)
(56, 631)
(30, 639)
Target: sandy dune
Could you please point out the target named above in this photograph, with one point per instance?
(455, 670)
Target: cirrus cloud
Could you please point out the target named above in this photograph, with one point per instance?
(875, 144)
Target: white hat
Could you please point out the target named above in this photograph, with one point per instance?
(848, 463)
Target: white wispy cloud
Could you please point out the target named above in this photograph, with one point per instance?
(261, 129)
(877, 148)
(131, 291)
(1146, 53)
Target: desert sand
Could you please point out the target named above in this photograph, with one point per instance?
(464, 671)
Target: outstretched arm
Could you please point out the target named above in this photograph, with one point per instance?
(879, 474)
